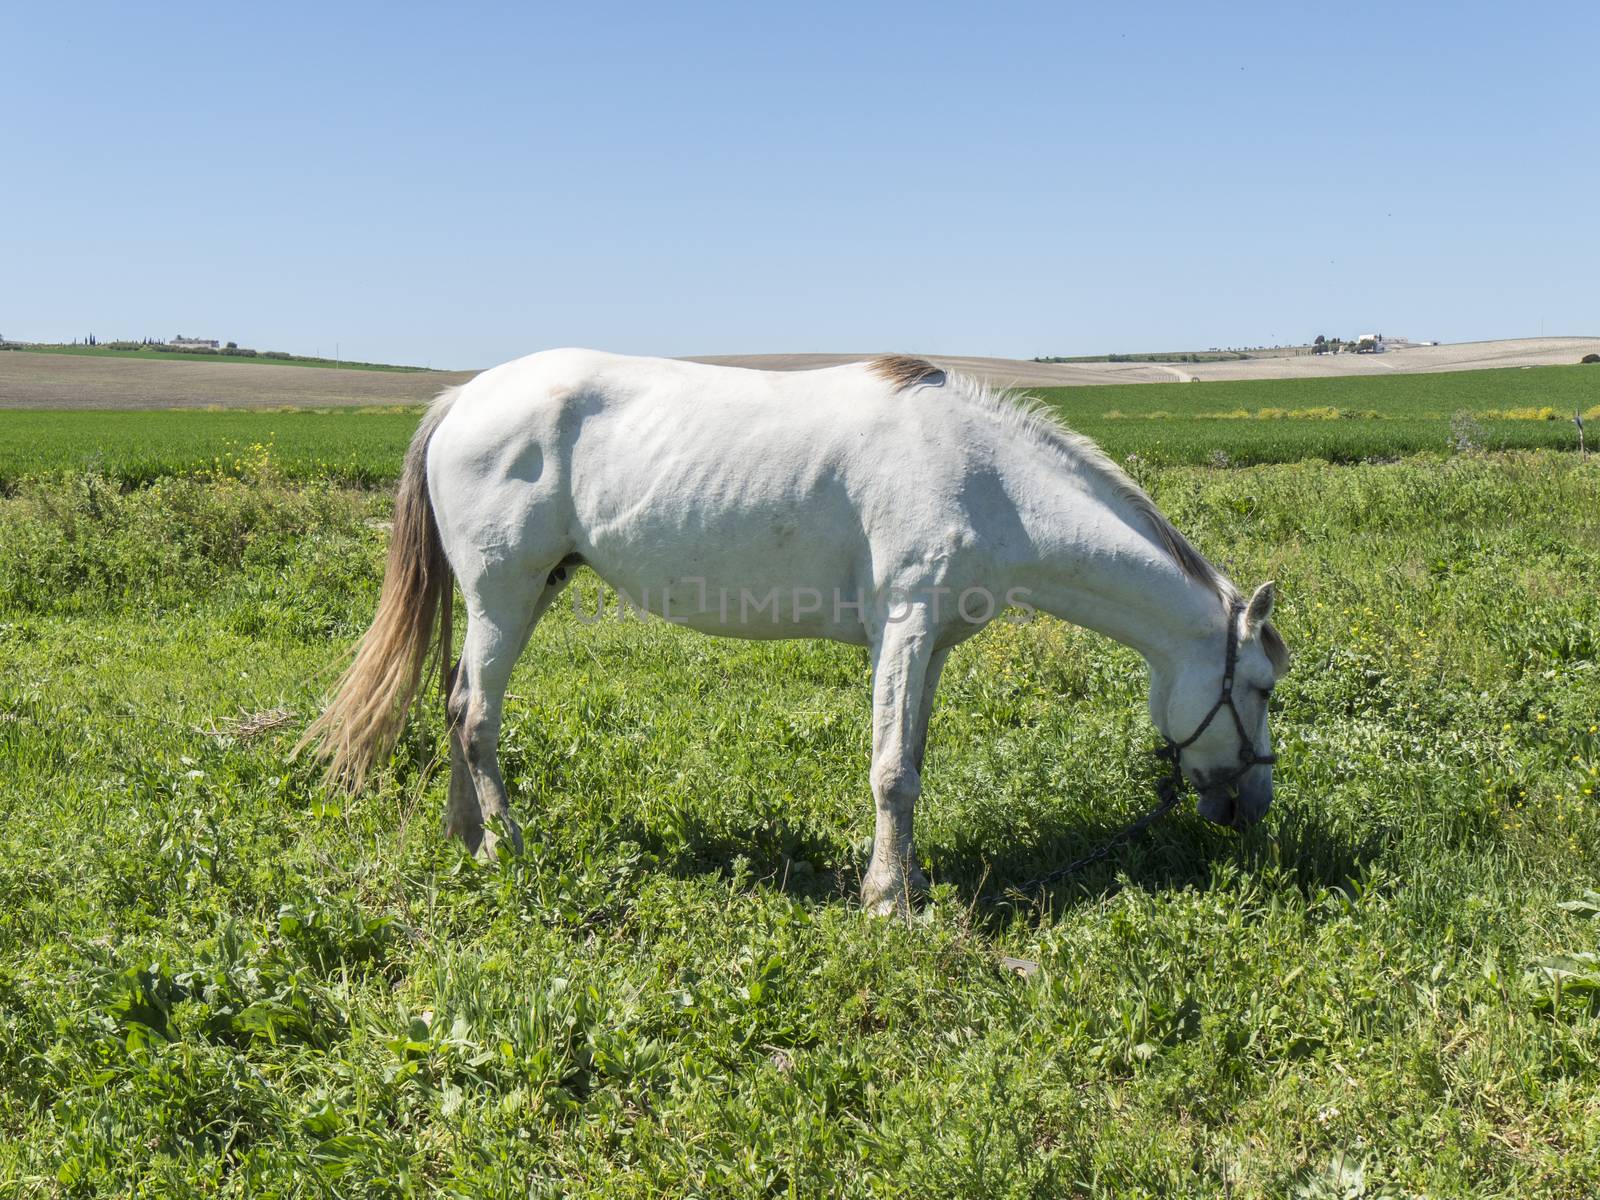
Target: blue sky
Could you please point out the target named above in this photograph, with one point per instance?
(457, 186)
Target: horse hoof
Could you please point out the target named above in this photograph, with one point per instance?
(893, 897)
(489, 849)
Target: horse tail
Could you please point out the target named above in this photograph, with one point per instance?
(367, 710)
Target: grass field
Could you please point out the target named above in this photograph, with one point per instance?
(361, 446)
(1169, 424)
(1341, 420)
(1528, 390)
(216, 978)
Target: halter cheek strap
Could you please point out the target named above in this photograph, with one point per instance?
(1248, 757)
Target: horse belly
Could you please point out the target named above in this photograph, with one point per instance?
(808, 593)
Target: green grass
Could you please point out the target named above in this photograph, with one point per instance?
(216, 978)
(1412, 396)
(362, 446)
(1159, 423)
(153, 353)
(1341, 420)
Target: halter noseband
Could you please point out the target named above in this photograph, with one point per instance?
(1173, 751)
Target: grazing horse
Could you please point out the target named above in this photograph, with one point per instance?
(886, 504)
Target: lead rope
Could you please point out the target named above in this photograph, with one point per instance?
(1170, 791)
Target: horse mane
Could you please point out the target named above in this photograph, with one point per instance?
(1031, 418)
(901, 371)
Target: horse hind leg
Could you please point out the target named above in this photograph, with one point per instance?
(463, 817)
(500, 620)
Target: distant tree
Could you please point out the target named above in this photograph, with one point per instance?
(233, 345)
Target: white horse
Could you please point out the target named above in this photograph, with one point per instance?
(886, 504)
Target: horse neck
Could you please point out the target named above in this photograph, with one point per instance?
(1097, 564)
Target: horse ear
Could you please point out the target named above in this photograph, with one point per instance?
(1259, 609)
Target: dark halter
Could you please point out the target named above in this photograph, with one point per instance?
(1173, 751)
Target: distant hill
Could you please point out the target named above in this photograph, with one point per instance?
(162, 352)
(103, 379)
(1262, 364)
(110, 380)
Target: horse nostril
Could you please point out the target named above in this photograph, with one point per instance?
(1254, 803)
(1217, 806)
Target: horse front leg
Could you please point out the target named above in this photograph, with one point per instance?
(930, 685)
(901, 659)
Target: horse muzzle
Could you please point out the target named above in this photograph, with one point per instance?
(1237, 805)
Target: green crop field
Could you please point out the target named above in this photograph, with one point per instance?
(349, 446)
(1528, 390)
(217, 978)
(1340, 420)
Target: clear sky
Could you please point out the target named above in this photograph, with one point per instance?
(457, 185)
